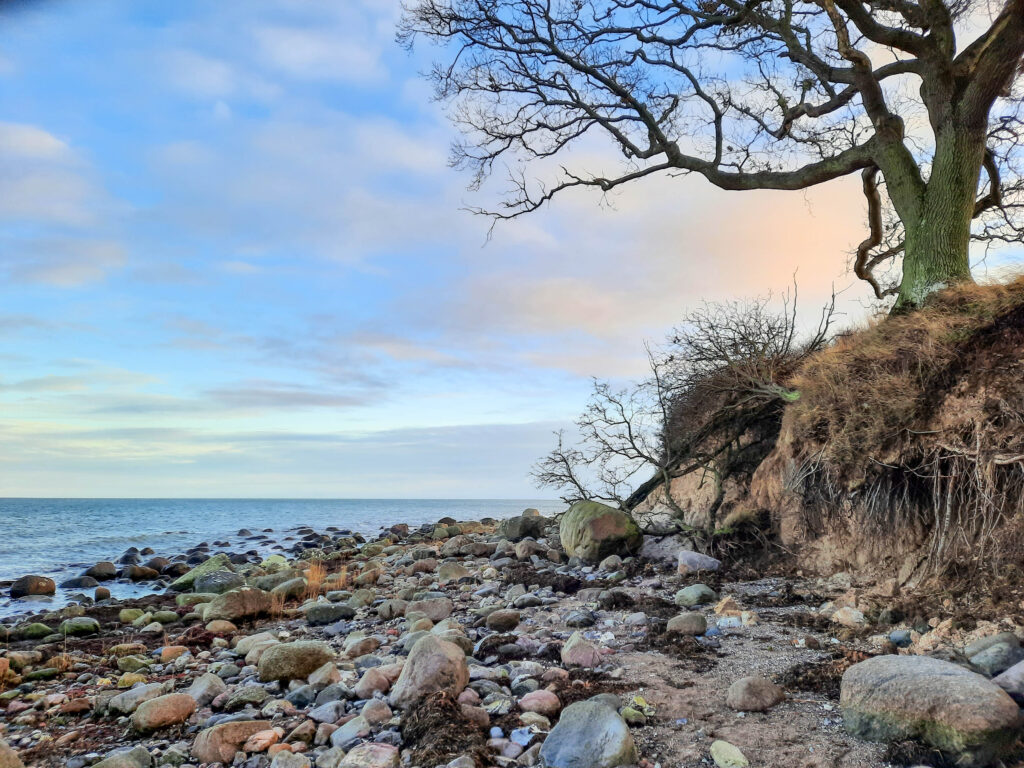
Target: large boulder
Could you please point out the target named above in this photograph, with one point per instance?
(433, 665)
(238, 604)
(8, 757)
(592, 531)
(32, 585)
(954, 710)
(590, 734)
(518, 528)
(294, 661)
(220, 743)
(216, 563)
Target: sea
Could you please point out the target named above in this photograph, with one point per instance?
(60, 538)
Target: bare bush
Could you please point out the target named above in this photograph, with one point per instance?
(711, 403)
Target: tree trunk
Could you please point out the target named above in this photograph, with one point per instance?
(937, 243)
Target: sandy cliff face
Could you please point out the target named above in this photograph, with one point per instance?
(904, 455)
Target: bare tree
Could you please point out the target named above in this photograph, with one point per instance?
(755, 94)
(711, 403)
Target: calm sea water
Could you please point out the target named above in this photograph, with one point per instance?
(59, 538)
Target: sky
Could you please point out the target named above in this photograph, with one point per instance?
(234, 262)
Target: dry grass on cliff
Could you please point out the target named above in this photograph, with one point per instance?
(920, 417)
(874, 386)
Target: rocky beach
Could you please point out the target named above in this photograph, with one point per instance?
(568, 642)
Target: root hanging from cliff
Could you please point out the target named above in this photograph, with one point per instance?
(915, 425)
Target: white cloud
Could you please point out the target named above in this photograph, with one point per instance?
(63, 262)
(200, 75)
(28, 142)
(319, 55)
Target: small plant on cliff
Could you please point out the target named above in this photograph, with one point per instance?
(710, 406)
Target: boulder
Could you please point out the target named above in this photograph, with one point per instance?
(433, 665)
(695, 594)
(580, 652)
(664, 549)
(356, 728)
(141, 573)
(503, 620)
(371, 756)
(434, 608)
(590, 734)
(688, 561)
(239, 604)
(80, 582)
(134, 757)
(127, 702)
(216, 563)
(447, 572)
(288, 759)
(848, 616)
(691, 623)
(753, 694)
(220, 743)
(206, 688)
(32, 585)
(327, 613)
(290, 589)
(217, 582)
(949, 708)
(518, 528)
(591, 531)
(293, 661)
(163, 712)
(997, 658)
(8, 757)
(78, 626)
(373, 681)
(727, 755)
(102, 571)
(542, 701)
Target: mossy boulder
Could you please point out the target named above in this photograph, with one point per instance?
(591, 531)
(35, 631)
(216, 563)
(947, 707)
(79, 626)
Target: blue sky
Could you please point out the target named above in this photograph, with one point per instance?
(235, 263)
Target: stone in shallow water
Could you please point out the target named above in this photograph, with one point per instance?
(32, 585)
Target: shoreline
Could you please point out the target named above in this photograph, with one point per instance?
(472, 644)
